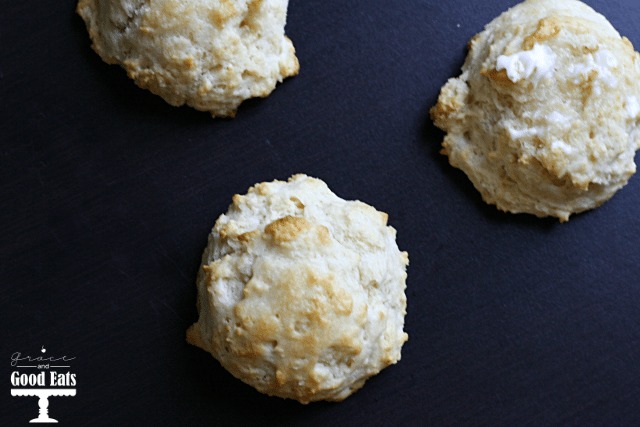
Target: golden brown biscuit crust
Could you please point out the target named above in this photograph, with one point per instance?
(211, 55)
(551, 142)
(301, 294)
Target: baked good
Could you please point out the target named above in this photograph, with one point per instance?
(301, 293)
(544, 117)
(209, 54)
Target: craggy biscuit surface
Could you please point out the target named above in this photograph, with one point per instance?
(544, 118)
(209, 54)
(301, 293)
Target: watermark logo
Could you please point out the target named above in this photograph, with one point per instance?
(42, 376)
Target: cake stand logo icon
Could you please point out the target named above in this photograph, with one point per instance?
(40, 376)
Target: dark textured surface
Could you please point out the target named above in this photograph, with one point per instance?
(108, 195)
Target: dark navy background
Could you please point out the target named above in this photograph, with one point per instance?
(107, 195)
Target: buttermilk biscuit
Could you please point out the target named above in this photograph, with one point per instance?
(209, 54)
(301, 293)
(544, 118)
